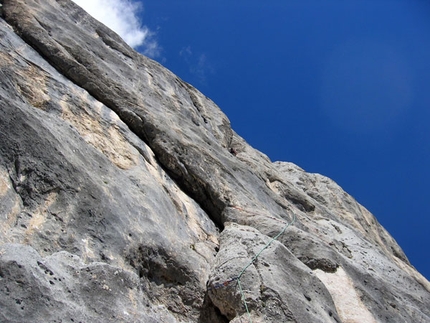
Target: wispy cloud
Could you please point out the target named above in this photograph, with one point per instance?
(122, 16)
(198, 64)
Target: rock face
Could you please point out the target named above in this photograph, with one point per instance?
(126, 197)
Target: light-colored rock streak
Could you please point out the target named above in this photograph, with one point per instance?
(346, 299)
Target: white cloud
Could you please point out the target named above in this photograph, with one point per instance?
(122, 16)
(198, 64)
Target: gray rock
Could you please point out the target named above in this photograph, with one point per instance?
(62, 287)
(277, 286)
(126, 196)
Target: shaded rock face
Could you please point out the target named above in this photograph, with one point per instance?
(121, 199)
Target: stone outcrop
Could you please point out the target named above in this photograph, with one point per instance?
(126, 197)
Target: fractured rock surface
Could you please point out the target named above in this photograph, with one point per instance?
(122, 202)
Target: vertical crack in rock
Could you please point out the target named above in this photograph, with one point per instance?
(192, 167)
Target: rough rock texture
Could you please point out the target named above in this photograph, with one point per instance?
(126, 197)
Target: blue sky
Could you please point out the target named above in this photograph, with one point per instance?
(340, 88)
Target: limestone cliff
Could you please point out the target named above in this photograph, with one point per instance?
(126, 197)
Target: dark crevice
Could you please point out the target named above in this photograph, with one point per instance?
(290, 194)
(209, 313)
(182, 175)
(14, 179)
(301, 204)
(66, 61)
(14, 185)
(189, 184)
(323, 264)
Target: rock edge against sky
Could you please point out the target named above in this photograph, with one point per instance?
(126, 196)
